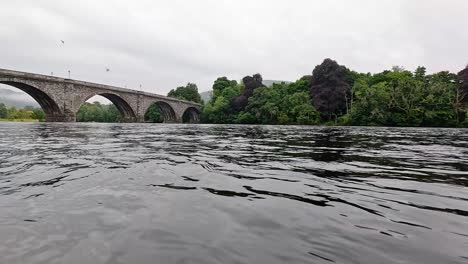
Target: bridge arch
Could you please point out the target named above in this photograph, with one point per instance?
(126, 111)
(191, 115)
(167, 111)
(48, 104)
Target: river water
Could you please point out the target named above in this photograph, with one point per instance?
(144, 193)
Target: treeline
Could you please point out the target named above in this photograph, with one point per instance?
(335, 95)
(26, 113)
(332, 95)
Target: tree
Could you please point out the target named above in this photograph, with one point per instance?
(219, 110)
(443, 77)
(112, 114)
(329, 90)
(301, 85)
(281, 104)
(188, 92)
(220, 85)
(462, 96)
(370, 103)
(154, 114)
(420, 74)
(3, 111)
(250, 84)
(405, 102)
(438, 105)
(399, 98)
(38, 114)
(462, 79)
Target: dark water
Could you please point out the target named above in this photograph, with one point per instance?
(140, 193)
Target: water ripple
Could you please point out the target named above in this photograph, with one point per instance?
(136, 193)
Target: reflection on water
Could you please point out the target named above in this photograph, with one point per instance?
(144, 193)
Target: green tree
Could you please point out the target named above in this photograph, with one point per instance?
(12, 113)
(38, 114)
(219, 109)
(420, 74)
(112, 114)
(438, 104)
(154, 114)
(220, 85)
(188, 92)
(370, 106)
(399, 98)
(3, 111)
(282, 104)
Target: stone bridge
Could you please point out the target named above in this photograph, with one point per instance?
(62, 98)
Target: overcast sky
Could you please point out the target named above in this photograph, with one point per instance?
(165, 44)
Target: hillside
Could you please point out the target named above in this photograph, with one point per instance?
(206, 96)
(269, 83)
(17, 98)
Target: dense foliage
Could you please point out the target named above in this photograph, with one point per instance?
(401, 98)
(337, 95)
(256, 104)
(329, 90)
(27, 113)
(154, 114)
(463, 82)
(97, 112)
(188, 92)
(3, 111)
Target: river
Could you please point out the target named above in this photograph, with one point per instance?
(153, 193)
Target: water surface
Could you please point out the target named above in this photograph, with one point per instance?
(143, 193)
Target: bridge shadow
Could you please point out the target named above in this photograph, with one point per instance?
(191, 115)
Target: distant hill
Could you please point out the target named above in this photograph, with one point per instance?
(206, 96)
(17, 99)
(269, 83)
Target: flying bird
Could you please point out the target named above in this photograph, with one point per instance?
(107, 70)
(63, 42)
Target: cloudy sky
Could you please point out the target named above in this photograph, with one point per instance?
(165, 44)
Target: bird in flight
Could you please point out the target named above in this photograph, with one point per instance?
(63, 42)
(107, 70)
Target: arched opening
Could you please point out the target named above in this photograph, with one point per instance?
(105, 108)
(160, 112)
(191, 115)
(28, 104)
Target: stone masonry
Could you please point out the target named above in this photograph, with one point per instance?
(62, 98)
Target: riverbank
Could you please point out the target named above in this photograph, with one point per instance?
(18, 120)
